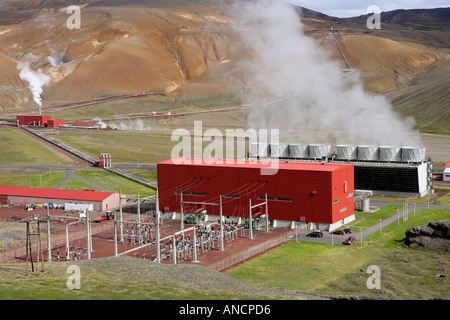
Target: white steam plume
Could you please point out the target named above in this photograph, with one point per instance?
(53, 58)
(137, 125)
(35, 81)
(55, 61)
(287, 64)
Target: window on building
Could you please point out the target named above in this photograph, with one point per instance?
(284, 199)
(198, 193)
(264, 198)
(184, 192)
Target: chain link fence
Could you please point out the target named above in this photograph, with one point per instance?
(17, 255)
(253, 251)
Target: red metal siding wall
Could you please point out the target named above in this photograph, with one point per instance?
(307, 194)
(55, 123)
(345, 206)
(25, 120)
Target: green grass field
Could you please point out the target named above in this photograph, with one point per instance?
(18, 149)
(323, 268)
(150, 175)
(75, 184)
(101, 178)
(38, 180)
(114, 183)
(124, 147)
(443, 201)
(367, 219)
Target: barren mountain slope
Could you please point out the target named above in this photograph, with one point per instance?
(120, 49)
(184, 48)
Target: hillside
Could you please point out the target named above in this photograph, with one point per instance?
(427, 98)
(192, 50)
(103, 279)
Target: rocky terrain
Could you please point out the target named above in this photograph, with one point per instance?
(435, 234)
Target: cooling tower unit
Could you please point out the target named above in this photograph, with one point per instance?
(347, 152)
(317, 151)
(368, 153)
(279, 150)
(263, 150)
(253, 150)
(298, 151)
(390, 154)
(413, 154)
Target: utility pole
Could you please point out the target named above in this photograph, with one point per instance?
(88, 236)
(181, 211)
(67, 241)
(158, 249)
(49, 246)
(120, 215)
(139, 208)
(267, 215)
(115, 238)
(195, 247)
(221, 225)
(250, 224)
(174, 250)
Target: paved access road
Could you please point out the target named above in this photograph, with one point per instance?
(339, 239)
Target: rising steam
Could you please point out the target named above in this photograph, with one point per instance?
(36, 80)
(293, 85)
(54, 59)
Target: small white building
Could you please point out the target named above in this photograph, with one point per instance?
(446, 173)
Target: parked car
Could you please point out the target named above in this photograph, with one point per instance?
(338, 232)
(315, 234)
(347, 230)
(350, 241)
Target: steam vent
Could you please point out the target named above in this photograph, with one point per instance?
(388, 170)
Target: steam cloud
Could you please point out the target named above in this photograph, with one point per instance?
(287, 64)
(53, 58)
(55, 61)
(137, 125)
(35, 80)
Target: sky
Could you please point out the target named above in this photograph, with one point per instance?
(354, 8)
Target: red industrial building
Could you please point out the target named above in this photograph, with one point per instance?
(100, 201)
(39, 121)
(316, 194)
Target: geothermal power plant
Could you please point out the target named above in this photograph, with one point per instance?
(388, 170)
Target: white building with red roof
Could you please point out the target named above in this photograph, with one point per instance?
(446, 173)
(101, 201)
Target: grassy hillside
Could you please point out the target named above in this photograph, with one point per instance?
(339, 269)
(128, 278)
(427, 99)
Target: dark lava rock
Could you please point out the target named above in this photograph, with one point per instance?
(434, 234)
